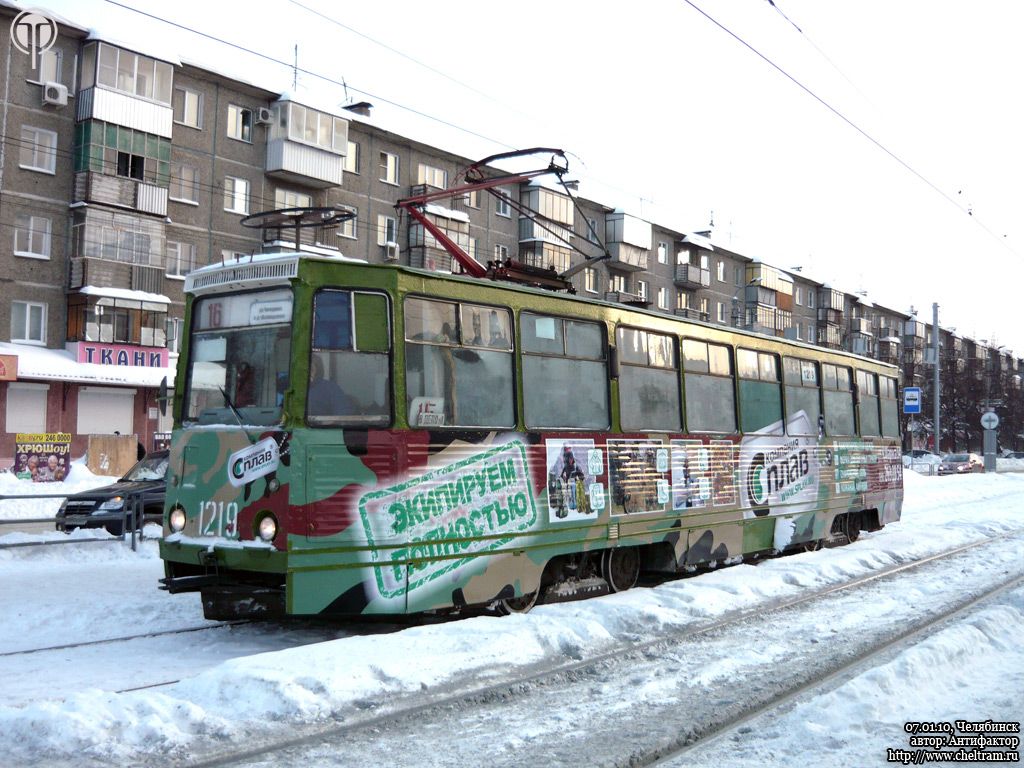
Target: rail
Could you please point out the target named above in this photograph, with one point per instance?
(131, 512)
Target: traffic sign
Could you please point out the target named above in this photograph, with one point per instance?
(989, 420)
(911, 399)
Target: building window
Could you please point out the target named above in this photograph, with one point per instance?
(590, 280)
(38, 149)
(319, 129)
(181, 258)
(131, 166)
(737, 273)
(352, 158)
(287, 198)
(387, 230)
(347, 228)
(810, 299)
(810, 329)
(641, 289)
(592, 230)
(721, 271)
(704, 307)
(663, 298)
(32, 236)
(682, 300)
(174, 325)
(705, 262)
(388, 168)
(682, 257)
(720, 315)
(798, 296)
(618, 283)
(500, 252)
(188, 107)
(239, 123)
(28, 322)
(662, 252)
(126, 72)
(236, 195)
(184, 184)
(431, 176)
(501, 206)
(49, 67)
(471, 198)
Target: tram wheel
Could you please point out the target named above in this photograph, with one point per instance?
(813, 545)
(620, 567)
(853, 520)
(509, 605)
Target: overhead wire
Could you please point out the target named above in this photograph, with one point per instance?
(878, 144)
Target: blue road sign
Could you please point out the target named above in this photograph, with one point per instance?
(911, 399)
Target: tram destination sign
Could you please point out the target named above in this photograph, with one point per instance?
(911, 399)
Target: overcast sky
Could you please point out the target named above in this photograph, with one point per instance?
(672, 117)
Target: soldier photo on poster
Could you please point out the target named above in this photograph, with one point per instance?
(572, 481)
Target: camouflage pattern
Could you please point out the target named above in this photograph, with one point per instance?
(400, 520)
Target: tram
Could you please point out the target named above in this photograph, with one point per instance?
(355, 439)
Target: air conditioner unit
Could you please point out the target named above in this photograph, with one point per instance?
(55, 93)
(264, 116)
(391, 251)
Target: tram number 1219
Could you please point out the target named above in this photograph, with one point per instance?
(218, 519)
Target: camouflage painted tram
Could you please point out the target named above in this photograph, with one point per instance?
(372, 439)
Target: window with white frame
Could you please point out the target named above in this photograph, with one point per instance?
(239, 123)
(387, 230)
(704, 306)
(682, 300)
(705, 261)
(288, 198)
(352, 158)
(184, 183)
(590, 280)
(311, 126)
(720, 313)
(174, 326)
(471, 250)
(188, 107)
(662, 252)
(500, 252)
(592, 230)
(32, 236)
(38, 150)
(236, 195)
(49, 66)
(131, 73)
(471, 198)
(810, 331)
(28, 322)
(682, 256)
(641, 289)
(663, 298)
(388, 168)
(347, 228)
(737, 273)
(721, 271)
(618, 283)
(431, 176)
(181, 258)
(810, 299)
(798, 296)
(501, 206)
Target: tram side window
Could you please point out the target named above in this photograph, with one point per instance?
(458, 365)
(838, 400)
(565, 373)
(889, 406)
(349, 379)
(648, 381)
(707, 377)
(867, 397)
(760, 394)
(803, 396)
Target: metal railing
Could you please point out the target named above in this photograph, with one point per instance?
(131, 515)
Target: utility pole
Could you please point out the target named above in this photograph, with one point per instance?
(935, 380)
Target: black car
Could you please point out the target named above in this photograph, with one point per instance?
(106, 507)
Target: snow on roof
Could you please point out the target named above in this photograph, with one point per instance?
(440, 210)
(700, 241)
(895, 339)
(60, 365)
(124, 293)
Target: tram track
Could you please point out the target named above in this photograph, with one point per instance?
(400, 716)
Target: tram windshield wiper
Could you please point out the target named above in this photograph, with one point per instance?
(235, 411)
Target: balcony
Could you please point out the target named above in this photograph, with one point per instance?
(299, 163)
(110, 106)
(691, 277)
(828, 316)
(625, 297)
(92, 187)
(691, 314)
(860, 325)
(629, 258)
(113, 274)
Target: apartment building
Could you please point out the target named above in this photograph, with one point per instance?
(124, 169)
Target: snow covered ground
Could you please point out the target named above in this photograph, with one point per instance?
(58, 594)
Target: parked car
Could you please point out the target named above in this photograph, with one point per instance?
(1014, 455)
(960, 463)
(919, 453)
(106, 507)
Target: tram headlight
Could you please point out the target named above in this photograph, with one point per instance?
(177, 520)
(267, 528)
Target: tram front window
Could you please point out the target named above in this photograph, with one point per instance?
(238, 358)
